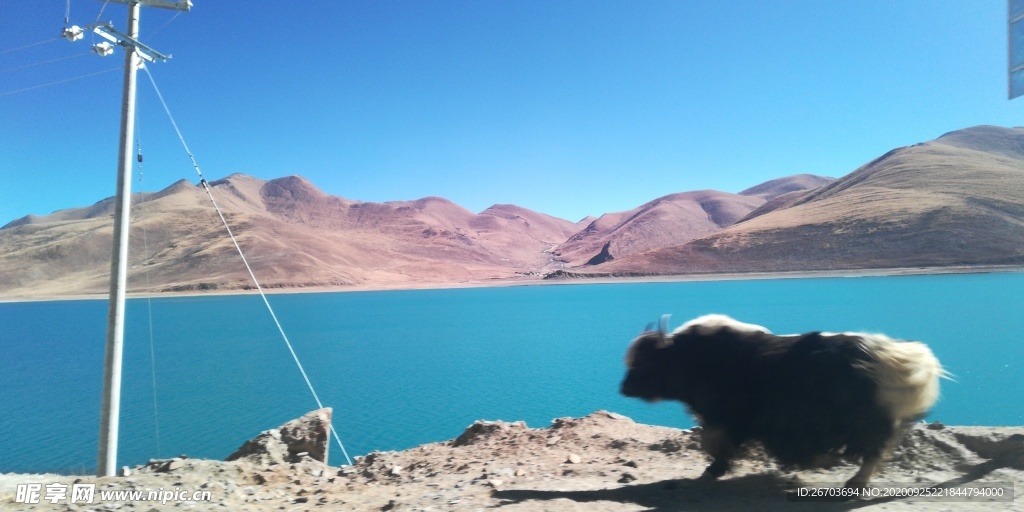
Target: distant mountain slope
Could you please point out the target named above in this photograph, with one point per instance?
(957, 200)
(665, 221)
(293, 233)
(781, 193)
(770, 190)
(672, 219)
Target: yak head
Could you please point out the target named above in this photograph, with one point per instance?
(647, 365)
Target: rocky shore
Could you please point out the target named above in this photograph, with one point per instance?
(601, 462)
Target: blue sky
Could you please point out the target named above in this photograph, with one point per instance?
(571, 108)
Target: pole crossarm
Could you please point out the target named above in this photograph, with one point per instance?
(108, 32)
(180, 5)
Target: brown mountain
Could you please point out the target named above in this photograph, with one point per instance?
(770, 190)
(672, 219)
(292, 233)
(957, 200)
(668, 220)
(782, 192)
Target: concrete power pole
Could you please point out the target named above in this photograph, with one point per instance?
(134, 53)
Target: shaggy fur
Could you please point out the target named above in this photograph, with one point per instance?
(802, 396)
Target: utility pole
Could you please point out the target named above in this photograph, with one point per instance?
(134, 53)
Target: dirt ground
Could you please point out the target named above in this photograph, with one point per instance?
(601, 462)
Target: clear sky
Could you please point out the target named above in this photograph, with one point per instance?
(570, 108)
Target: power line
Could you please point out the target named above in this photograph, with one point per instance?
(252, 274)
(30, 45)
(168, 22)
(16, 68)
(34, 87)
(143, 202)
(101, 10)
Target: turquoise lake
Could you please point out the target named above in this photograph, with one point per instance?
(402, 368)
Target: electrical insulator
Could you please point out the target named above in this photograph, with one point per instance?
(73, 33)
(103, 49)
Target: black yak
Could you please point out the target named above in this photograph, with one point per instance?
(804, 397)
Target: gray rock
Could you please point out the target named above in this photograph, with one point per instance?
(308, 436)
(480, 430)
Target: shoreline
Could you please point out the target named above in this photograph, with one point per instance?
(540, 281)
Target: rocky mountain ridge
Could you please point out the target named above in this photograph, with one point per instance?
(954, 201)
(295, 235)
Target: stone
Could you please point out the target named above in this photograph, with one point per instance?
(573, 459)
(483, 429)
(308, 436)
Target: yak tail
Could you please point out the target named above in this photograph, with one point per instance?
(907, 374)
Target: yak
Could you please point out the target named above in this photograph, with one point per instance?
(805, 397)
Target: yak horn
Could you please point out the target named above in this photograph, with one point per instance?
(663, 332)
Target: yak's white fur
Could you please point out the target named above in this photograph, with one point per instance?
(907, 374)
(708, 323)
(702, 325)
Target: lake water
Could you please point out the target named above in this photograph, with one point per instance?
(403, 368)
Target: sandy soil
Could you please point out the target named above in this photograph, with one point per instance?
(602, 462)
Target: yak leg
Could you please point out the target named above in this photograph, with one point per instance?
(873, 457)
(867, 469)
(717, 443)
